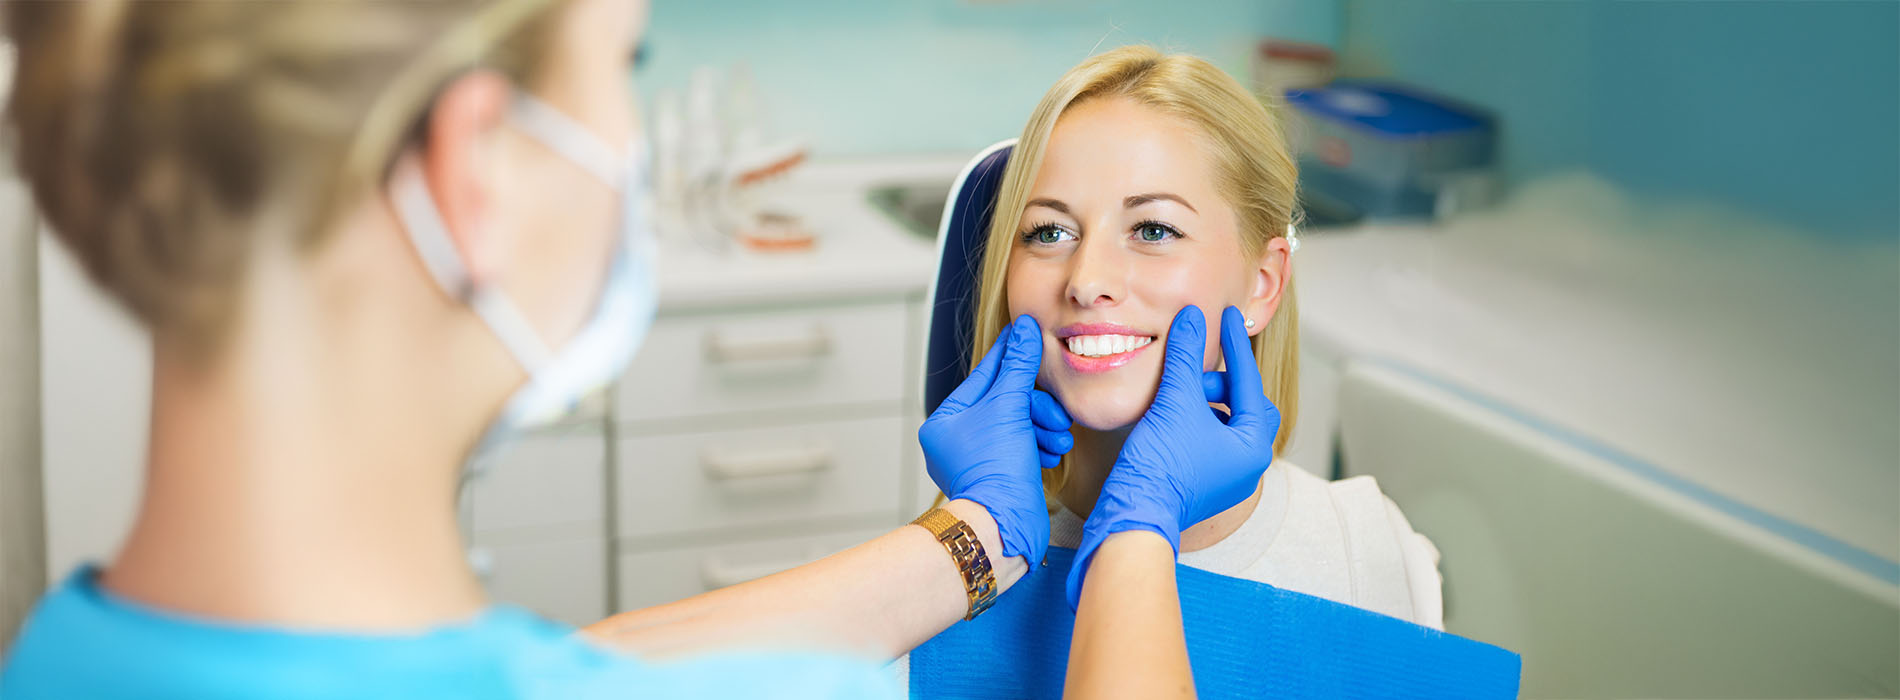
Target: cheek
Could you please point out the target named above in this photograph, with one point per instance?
(1036, 290)
(1174, 287)
(1033, 286)
(1211, 354)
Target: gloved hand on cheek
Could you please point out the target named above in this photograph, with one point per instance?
(1184, 461)
(989, 441)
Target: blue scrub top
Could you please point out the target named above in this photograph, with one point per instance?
(83, 642)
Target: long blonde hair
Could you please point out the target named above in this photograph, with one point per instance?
(162, 140)
(1253, 168)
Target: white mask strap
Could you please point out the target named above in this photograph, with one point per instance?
(561, 134)
(1292, 239)
(417, 210)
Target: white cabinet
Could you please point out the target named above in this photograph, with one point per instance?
(537, 521)
(679, 483)
(747, 361)
(561, 578)
(735, 429)
(551, 479)
(732, 429)
(665, 574)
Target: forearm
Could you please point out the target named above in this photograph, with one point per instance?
(880, 599)
(1128, 638)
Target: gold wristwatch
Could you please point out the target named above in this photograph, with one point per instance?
(978, 581)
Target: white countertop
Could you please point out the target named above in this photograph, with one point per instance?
(860, 251)
(1757, 363)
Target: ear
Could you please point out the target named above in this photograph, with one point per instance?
(1270, 276)
(457, 160)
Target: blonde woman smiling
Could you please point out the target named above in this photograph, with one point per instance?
(1142, 184)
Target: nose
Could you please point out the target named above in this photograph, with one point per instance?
(1097, 274)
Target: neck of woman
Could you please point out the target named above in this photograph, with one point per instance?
(304, 477)
(1094, 456)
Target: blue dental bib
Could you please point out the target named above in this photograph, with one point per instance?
(1245, 640)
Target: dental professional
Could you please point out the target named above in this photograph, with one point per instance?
(374, 240)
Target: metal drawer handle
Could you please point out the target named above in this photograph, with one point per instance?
(717, 574)
(724, 464)
(727, 347)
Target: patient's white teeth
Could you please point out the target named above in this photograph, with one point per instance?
(1105, 345)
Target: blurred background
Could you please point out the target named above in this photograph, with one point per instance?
(1605, 294)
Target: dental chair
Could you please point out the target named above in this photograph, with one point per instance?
(966, 221)
(1245, 638)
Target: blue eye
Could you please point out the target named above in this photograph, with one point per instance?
(1047, 234)
(1155, 232)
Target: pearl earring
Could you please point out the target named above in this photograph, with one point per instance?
(1250, 323)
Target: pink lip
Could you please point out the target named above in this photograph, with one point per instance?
(1095, 365)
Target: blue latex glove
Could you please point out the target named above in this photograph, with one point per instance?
(989, 441)
(1184, 461)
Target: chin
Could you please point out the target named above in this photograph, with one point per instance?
(1104, 411)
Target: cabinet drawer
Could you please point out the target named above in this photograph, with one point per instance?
(564, 580)
(666, 575)
(544, 478)
(671, 484)
(709, 364)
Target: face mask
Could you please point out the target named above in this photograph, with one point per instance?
(557, 380)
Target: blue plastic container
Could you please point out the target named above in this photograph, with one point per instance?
(1383, 150)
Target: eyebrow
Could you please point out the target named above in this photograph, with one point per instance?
(1141, 199)
(1129, 203)
(1055, 204)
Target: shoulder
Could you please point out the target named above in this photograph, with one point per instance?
(1396, 567)
(81, 641)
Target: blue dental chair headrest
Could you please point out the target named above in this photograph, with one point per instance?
(960, 241)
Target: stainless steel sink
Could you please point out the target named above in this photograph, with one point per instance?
(915, 206)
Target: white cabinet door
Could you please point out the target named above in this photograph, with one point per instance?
(665, 575)
(685, 482)
(554, 478)
(564, 580)
(538, 516)
(713, 364)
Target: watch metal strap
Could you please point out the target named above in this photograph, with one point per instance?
(957, 537)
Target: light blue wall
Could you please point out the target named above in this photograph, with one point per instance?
(864, 76)
(1786, 108)
(1789, 109)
